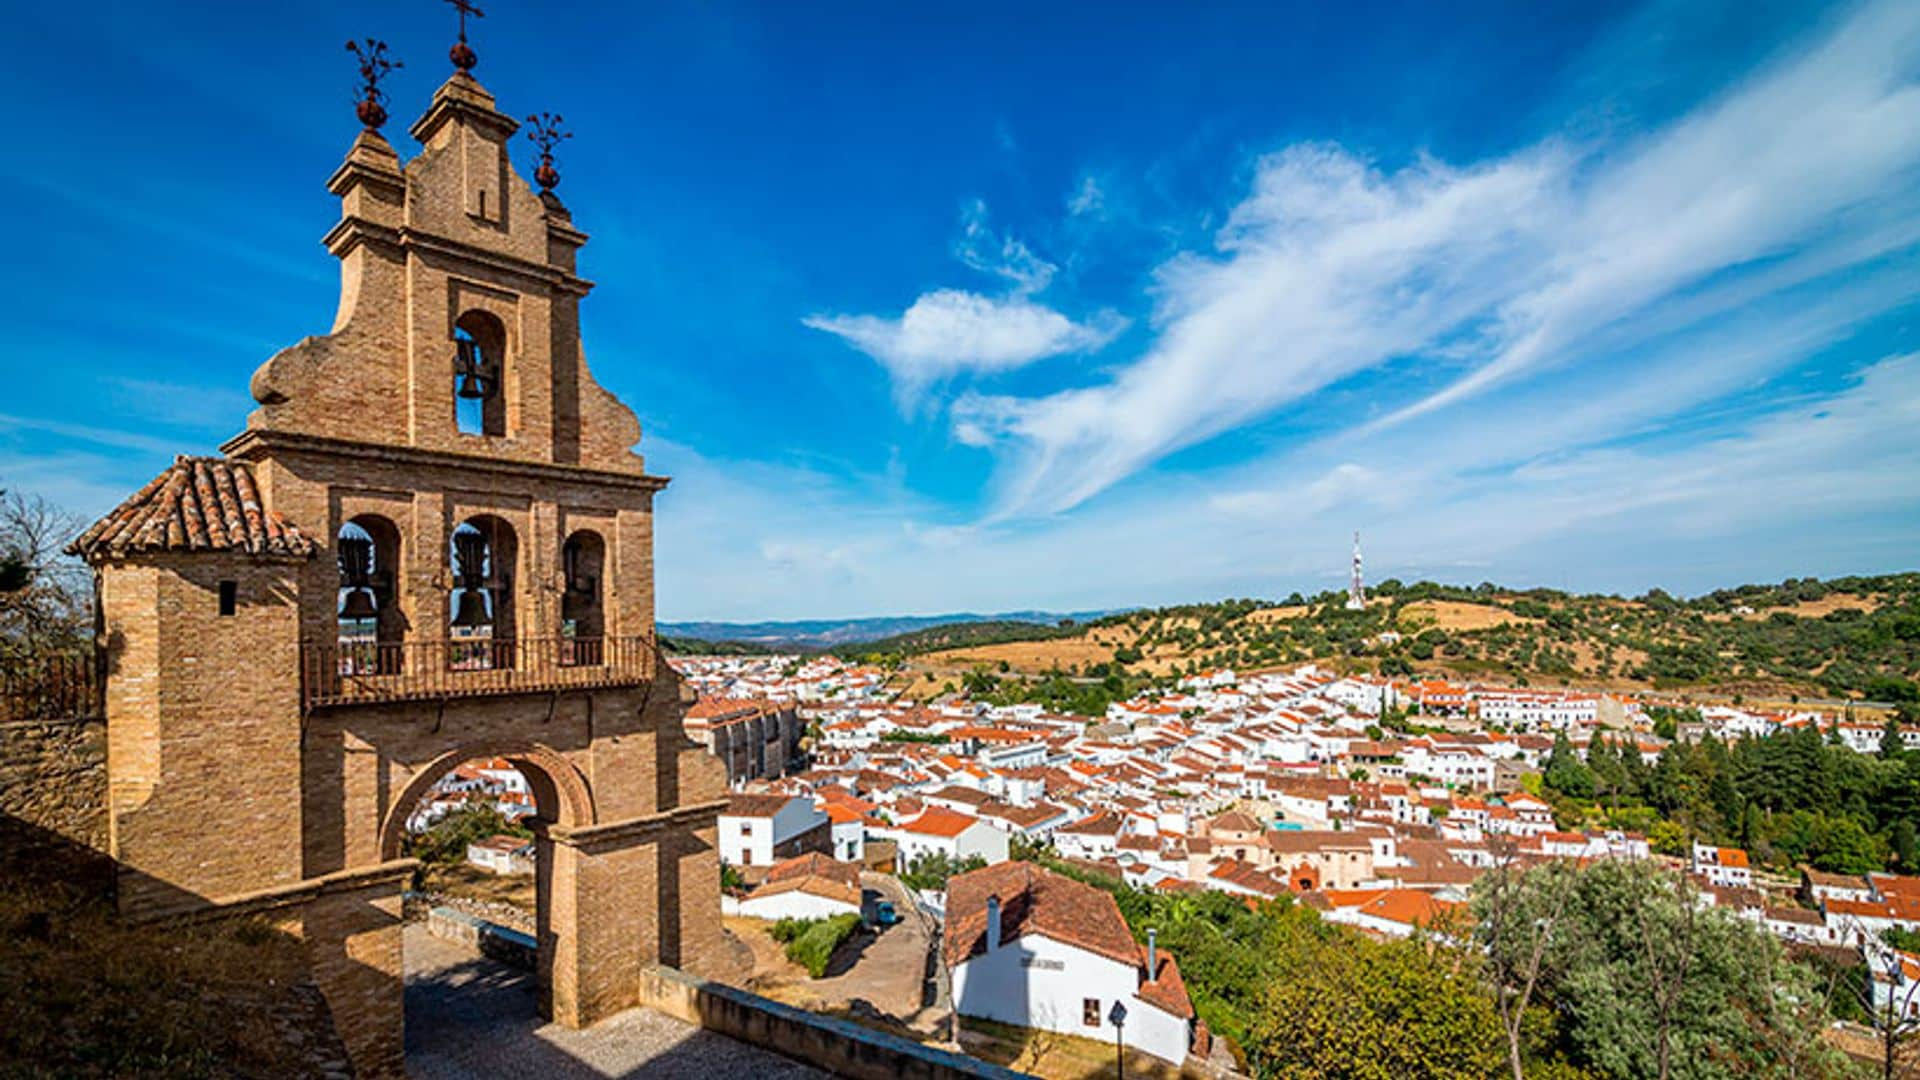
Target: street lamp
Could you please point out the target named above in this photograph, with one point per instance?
(1117, 1016)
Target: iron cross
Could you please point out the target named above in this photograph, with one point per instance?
(466, 8)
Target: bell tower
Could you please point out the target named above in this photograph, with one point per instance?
(458, 285)
(433, 541)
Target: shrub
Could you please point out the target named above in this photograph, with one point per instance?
(786, 930)
(810, 942)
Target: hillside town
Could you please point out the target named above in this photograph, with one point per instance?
(924, 641)
(1277, 784)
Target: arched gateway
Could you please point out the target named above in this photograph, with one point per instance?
(302, 634)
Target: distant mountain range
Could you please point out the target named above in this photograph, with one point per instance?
(812, 634)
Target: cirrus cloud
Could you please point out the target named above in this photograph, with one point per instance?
(1565, 254)
(948, 332)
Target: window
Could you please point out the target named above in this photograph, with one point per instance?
(229, 597)
(1090, 1012)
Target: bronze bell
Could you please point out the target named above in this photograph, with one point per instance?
(470, 364)
(470, 386)
(574, 603)
(356, 561)
(360, 604)
(471, 611)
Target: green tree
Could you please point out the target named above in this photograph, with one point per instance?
(931, 870)
(1653, 984)
(1891, 748)
(471, 822)
(1516, 921)
(1565, 772)
(1351, 1007)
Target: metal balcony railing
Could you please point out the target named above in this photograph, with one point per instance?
(349, 672)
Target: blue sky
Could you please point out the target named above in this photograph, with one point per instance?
(1083, 306)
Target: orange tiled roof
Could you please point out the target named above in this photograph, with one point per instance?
(1408, 907)
(1165, 988)
(198, 504)
(1033, 900)
(940, 821)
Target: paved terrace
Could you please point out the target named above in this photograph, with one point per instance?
(471, 1016)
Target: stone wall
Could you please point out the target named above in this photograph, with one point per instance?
(491, 939)
(53, 779)
(840, 1047)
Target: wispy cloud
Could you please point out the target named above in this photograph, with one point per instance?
(1088, 198)
(1007, 256)
(1562, 254)
(951, 332)
(948, 331)
(741, 544)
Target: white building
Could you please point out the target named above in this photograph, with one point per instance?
(760, 830)
(849, 831)
(502, 854)
(1034, 949)
(940, 831)
(811, 886)
(1896, 983)
(1724, 867)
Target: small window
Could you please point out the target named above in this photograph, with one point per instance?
(1090, 1012)
(229, 597)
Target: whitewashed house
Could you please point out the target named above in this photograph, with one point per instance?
(1725, 867)
(811, 886)
(760, 830)
(1034, 949)
(940, 831)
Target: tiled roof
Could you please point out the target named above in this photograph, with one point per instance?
(813, 873)
(198, 504)
(1034, 901)
(940, 821)
(742, 804)
(1235, 821)
(1164, 989)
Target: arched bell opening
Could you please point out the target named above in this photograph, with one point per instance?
(480, 633)
(479, 374)
(371, 629)
(583, 621)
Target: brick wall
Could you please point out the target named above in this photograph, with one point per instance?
(204, 727)
(53, 780)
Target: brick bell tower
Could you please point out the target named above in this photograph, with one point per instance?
(432, 542)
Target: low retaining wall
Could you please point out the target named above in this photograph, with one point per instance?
(506, 945)
(838, 1046)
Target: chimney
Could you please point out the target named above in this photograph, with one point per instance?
(993, 923)
(1153, 954)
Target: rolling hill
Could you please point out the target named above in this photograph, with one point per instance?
(1855, 637)
(810, 635)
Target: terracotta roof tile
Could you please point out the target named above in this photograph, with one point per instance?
(940, 821)
(1165, 988)
(198, 504)
(1033, 900)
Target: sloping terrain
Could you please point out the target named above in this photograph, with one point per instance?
(1857, 636)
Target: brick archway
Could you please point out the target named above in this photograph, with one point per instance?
(561, 793)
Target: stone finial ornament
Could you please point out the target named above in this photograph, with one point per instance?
(545, 131)
(462, 54)
(374, 66)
